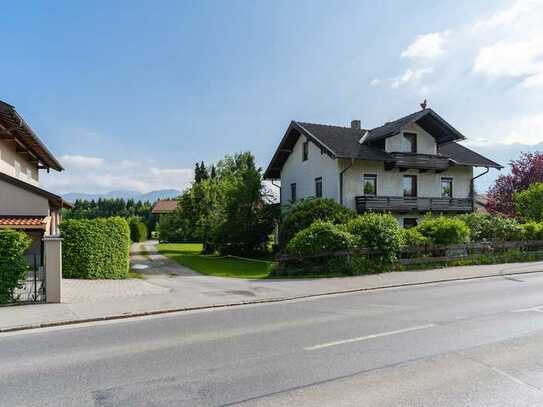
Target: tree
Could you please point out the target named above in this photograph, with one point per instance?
(242, 218)
(527, 170)
(529, 203)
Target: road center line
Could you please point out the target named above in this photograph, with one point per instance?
(373, 336)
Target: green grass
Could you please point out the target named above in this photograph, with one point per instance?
(188, 254)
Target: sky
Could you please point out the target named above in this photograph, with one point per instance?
(130, 94)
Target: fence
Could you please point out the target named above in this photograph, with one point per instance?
(424, 255)
(32, 288)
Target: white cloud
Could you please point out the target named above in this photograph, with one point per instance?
(526, 129)
(512, 59)
(509, 15)
(409, 76)
(96, 175)
(81, 162)
(427, 46)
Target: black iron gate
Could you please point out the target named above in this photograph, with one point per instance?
(32, 288)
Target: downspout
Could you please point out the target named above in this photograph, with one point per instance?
(341, 181)
(472, 186)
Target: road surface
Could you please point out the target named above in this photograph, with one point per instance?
(468, 343)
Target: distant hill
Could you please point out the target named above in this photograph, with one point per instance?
(137, 196)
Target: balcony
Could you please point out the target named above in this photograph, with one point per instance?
(422, 162)
(407, 204)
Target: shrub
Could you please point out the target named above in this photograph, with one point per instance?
(413, 238)
(138, 230)
(444, 230)
(306, 211)
(320, 237)
(13, 267)
(532, 231)
(174, 228)
(485, 227)
(378, 232)
(95, 249)
(529, 203)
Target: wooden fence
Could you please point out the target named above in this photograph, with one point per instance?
(427, 254)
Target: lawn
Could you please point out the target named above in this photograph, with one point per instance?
(188, 254)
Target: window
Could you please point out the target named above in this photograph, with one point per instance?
(293, 192)
(409, 185)
(411, 142)
(17, 166)
(370, 184)
(305, 151)
(446, 187)
(318, 187)
(409, 223)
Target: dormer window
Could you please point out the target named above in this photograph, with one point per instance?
(411, 141)
(305, 151)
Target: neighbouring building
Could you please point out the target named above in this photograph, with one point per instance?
(23, 204)
(164, 206)
(408, 167)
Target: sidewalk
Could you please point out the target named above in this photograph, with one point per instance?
(182, 289)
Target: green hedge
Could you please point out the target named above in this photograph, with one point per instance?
(138, 230)
(95, 249)
(306, 211)
(444, 230)
(13, 267)
(320, 237)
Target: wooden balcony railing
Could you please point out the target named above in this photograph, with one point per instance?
(406, 204)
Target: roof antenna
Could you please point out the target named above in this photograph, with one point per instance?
(424, 104)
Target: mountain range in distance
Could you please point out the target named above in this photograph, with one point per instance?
(125, 194)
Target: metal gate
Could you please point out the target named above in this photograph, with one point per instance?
(32, 288)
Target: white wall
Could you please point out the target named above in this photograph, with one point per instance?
(426, 144)
(303, 173)
(16, 201)
(8, 157)
(389, 183)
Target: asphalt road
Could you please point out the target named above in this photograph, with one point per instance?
(471, 343)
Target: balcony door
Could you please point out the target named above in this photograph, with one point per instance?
(409, 185)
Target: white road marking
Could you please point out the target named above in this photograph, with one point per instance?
(365, 338)
(531, 309)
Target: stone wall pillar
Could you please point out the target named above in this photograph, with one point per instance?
(52, 248)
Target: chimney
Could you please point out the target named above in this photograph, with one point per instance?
(356, 124)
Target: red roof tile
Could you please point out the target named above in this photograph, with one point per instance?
(22, 221)
(165, 206)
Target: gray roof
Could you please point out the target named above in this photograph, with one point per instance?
(344, 142)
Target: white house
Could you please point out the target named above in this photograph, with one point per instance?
(27, 207)
(408, 167)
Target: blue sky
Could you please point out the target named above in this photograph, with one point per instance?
(129, 94)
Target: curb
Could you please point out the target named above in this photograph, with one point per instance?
(247, 302)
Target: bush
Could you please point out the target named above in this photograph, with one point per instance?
(95, 249)
(485, 227)
(138, 230)
(173, 228)
(529, 203)
(444, 230)
(306, 211)
(13, 266)
(320, 237)
(413, 238)
(532, 231)
(378, 232)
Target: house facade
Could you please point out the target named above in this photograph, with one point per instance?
(23, 204)
(407, 167)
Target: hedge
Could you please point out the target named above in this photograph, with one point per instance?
(306, 211)
(444, 230)
(320, 237)
(138, 230)
(13, 266)
(95, 249)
